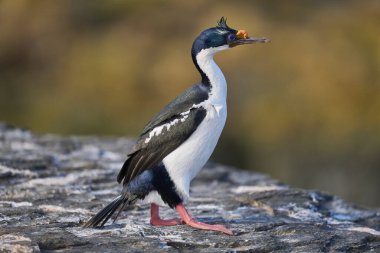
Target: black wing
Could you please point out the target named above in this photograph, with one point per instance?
(194, 95)
(158, 140)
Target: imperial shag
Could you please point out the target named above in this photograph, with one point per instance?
(179, 140)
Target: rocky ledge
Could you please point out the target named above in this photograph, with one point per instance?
(50, 185)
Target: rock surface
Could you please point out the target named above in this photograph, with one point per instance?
(49, 185)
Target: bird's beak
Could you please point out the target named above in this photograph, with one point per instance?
(242, 39)
(250, 40)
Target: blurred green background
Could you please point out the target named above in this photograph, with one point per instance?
(305, 108)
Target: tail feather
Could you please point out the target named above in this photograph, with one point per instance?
(120, 209)
(105, 214)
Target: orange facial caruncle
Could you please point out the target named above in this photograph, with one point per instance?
(242, 34)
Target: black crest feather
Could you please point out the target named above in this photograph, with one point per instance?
(222, 23)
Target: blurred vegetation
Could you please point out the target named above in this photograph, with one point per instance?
(305, 108)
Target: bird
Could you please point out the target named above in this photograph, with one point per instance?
(178, 141)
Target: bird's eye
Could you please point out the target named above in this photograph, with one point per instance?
(231, 37)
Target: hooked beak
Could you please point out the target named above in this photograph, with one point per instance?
(249, 40)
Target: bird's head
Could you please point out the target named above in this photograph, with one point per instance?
(223, 37)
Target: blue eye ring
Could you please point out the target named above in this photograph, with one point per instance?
(231, 37)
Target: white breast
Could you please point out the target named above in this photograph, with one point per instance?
(184, 163)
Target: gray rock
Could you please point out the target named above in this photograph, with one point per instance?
(50, 185)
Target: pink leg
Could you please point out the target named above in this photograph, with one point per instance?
(185, 216)
(155, 219)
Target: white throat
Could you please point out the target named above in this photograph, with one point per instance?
(205, 60)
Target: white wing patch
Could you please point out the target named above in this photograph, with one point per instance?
(158, 130)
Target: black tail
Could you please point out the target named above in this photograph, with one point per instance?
(105, 214)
